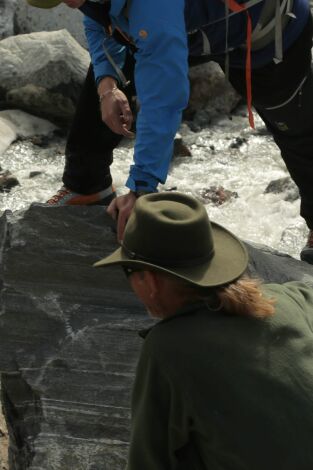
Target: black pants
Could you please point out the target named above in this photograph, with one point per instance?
(286, 109)
(90, 142)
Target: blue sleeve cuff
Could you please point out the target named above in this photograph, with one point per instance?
(140, 181)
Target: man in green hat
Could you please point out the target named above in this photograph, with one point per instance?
(225, 378)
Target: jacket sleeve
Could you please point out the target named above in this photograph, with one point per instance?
(161, 78)
(96, 39)
(158, 421)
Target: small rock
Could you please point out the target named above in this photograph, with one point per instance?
(217, 195)
(7, 181)
(171, 188)
(284, 185)
(238, 142)
(180, 148)
(40, 140)
(32, 174)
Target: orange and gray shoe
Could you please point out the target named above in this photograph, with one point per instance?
(66, 197)
(307, 252)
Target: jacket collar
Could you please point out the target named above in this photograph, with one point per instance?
(186, 310)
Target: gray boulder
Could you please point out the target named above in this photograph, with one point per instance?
(211, 95)
(7, 13)
(29, 19)
(68, 337)
(42, 73)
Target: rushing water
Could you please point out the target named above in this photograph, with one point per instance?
(246, 169)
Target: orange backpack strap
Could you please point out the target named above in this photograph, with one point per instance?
(237, 7)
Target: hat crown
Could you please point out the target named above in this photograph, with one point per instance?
(169, 229)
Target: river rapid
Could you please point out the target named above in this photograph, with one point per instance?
(227, 154)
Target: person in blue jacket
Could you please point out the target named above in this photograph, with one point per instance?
(264, 47)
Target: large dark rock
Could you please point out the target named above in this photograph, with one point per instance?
(68, 341)
(68, 337)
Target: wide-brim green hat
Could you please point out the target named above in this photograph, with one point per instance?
(171, 232)
(44, 3)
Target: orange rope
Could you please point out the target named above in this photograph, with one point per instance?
(236, 7)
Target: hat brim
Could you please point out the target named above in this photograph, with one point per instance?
(44, 3)
(228, 263)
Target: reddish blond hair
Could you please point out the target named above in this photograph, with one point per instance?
(244, 297)
(241, 297)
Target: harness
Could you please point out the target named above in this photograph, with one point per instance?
(273, 19)
(238, 8)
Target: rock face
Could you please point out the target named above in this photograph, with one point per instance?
(42, 73)
(68, 337)
(69, 363)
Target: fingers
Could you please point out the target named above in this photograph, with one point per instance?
(126, 120)
(116, 122)
(126, 115)
(120, 123)
(120, 210)
(116, 113)
(121, 223)
(126, 133)
(112, 209)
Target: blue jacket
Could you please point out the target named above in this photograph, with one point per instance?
(158, 30)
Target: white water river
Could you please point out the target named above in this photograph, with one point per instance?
(255, 216)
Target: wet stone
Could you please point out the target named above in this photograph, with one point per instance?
(217, 195)
(33, 174)
(180, 148)
(40, 140)
(284, 185)
(7, 181)
(238, 142)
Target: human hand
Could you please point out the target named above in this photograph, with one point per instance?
(116, 112)
(74, 3)
(120, 210)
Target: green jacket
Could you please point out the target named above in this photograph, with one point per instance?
(215, 391)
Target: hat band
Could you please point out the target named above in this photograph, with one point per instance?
(181, 263)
